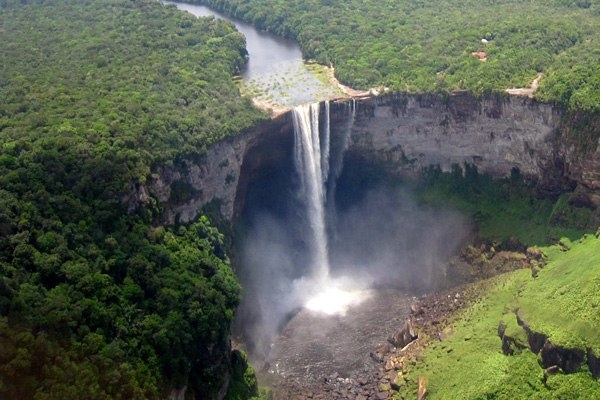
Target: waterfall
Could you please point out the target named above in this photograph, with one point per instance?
(312, 165)
(312, 148)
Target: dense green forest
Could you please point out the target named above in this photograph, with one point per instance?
(96, 302)
(424, 46)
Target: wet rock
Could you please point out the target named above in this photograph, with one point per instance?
(404, 335)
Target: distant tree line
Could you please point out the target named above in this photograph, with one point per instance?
(425, 46)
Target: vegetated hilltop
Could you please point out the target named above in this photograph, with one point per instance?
(424, 46)
(96, 302)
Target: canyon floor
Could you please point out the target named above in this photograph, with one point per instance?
(368, 353)
(356, 360)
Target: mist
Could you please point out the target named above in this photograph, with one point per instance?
(389, 240)
(381, 238)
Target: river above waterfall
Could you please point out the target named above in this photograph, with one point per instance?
(275, 75)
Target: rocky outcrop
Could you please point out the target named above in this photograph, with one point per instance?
(497, 133)
(403, 336)
(593, 363)
(553, 358)
(580, 137)
(185, 187)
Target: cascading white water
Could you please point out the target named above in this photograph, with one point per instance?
(312, 164)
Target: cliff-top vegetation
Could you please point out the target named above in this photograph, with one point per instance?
(424, 46)
(97, 302)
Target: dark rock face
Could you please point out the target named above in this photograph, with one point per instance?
(536, 340)
(553, 358)
(593, 363)
(510, 344)
(217, 175)
(569, 360)
(496, 133)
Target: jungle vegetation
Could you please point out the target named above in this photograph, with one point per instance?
(425, 46)
(100, 302)
(97, 301)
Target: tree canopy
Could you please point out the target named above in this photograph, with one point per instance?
(95, 301)
(425, 46)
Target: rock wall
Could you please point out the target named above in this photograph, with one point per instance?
(181, 190)
(496, 133)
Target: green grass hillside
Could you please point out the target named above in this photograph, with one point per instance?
(561, 302)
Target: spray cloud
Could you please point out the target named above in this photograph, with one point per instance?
(295, 260)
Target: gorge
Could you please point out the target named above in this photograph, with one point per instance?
(282, 256)
(253, 180)
(496, 133)
(155, 225)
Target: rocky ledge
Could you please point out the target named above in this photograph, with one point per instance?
(553, 358)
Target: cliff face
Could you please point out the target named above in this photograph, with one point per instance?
(182, 190)
(496, 133)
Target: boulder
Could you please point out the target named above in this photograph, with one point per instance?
(403, 336)
(397, 380)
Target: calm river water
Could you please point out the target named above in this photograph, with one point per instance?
(276, 72)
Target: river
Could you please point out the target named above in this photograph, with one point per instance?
(275, 74)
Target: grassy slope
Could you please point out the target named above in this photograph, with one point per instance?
(561, 302)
